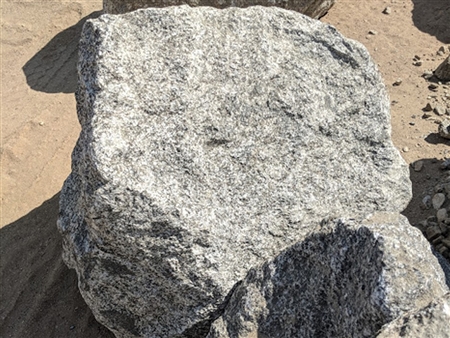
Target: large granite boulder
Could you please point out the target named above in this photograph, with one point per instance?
(347, 279)
(312, 8)
(211, 140)
(432, 320)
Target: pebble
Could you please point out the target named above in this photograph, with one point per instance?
(442, 49)
(439, 110)
(433, 232)
(426, 201)
(397, 82)
(446, 165)
(444, 129)
(387, 10)
(428, 74)
(441, 214)
(405, 149)
(433, 86)
(418, 63)
(438, 200)
(41, 123)
(428, 107)
(371, 32)
(418, 165)
(426, 115)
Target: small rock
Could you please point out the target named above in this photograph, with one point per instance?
(441, 214)
(418, 165)
(433, 86)
(426, 115)
(372, 32)
(439, 110)
(441, 49)
(433, 232)
(72, 327)
(444, 129)
(445, 166)
(416, 57)
(426, 201)
(446, 242)
(412, 123)
(428, 107)
(387, 10)
(428, 74)
(397, 82)
(418, 63)
(443, 71)
(439, 53)
(405, 149)
(438, 200)
(437, 240)
(41, 123)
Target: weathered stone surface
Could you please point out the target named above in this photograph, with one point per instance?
(443, 71)
(210, 140)
(347, 279)
(312, 8)
(430, 321)
(444, 129)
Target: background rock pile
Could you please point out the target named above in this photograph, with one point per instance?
(437, 228)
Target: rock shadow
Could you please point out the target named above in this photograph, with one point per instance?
(54, 68)
(435, 138)
(433, 17)
(423, 182)
(40, 296)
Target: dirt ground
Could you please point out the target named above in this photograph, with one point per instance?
(39, 295)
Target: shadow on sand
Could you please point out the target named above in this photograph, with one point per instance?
(40, 296)
(433, 17)
(423, 183)
(54, 68)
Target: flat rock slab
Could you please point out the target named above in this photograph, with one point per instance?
(312, 8)
(347, 279)
(211, 140)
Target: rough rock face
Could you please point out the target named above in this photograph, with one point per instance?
(210, 140)
(443, 71)
(346, 279)
(430, 321)
(312, 8)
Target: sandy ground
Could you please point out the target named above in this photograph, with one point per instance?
(39, 296)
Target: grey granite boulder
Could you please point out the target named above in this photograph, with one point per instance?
(312, 8)
(432, 320)
(211, 140)
(347, 279)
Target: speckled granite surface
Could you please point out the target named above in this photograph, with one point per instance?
(211, 140)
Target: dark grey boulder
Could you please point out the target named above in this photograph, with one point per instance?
(211, 140)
